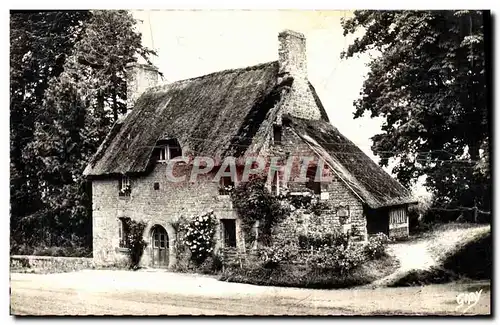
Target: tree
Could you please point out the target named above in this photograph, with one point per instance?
(39, 45)
(429, 84)
(108, 45)
(77, 109)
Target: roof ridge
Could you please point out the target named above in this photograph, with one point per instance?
(211, 74)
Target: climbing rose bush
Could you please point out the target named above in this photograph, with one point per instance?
(199, 236)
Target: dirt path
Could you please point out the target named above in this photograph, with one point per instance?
(95, 292)
(428, 252)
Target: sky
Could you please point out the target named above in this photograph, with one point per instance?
(192, 43)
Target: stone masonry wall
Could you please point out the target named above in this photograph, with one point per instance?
(48, 264)
(334, 192)
(340, 200)
(301, 103)
(164, 207)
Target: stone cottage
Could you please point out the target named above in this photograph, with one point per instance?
(270, 109)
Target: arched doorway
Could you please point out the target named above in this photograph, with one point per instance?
(159, 247)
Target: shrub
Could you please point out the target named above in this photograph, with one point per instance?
(319, 239)
(212, 264)
(376, 246)
(275, 255)
(306, 277)
(199, 236)
(339, 260)
(48, 251)
(66, 251)
(136, 242)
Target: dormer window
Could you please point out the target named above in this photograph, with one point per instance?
(167, 150)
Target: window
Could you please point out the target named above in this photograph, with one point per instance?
(167, 150)
(226, 184)
(123, 232)
(312, 184)
(156, 186)
(277, 130)
(343, 213)
(124, 186)
(275, 184)
(229, 232)
(159, 239)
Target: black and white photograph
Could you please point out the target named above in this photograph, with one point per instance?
(195, 162)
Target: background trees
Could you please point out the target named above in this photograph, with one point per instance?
(429, 84)
(39, 46)
(68, 86)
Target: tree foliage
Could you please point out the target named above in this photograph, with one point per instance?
(80, 59)
(429, 84)
(40, 42)
(108, 44)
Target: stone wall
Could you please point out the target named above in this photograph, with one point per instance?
(340, 202)
(334, 193)
(163, 207)
(46, 264)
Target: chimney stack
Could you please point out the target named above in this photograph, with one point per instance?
(292, 53)
(302, 102)
(139, 78)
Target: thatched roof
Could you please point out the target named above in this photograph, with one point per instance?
(211, 115)
(230, 113)
(359, 172)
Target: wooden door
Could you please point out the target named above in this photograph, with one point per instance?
(159, 247)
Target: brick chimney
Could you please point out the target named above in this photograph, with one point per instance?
(293, 62)
(139, 78)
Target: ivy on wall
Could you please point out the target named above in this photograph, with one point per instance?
(254, 202)
(135, 240)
